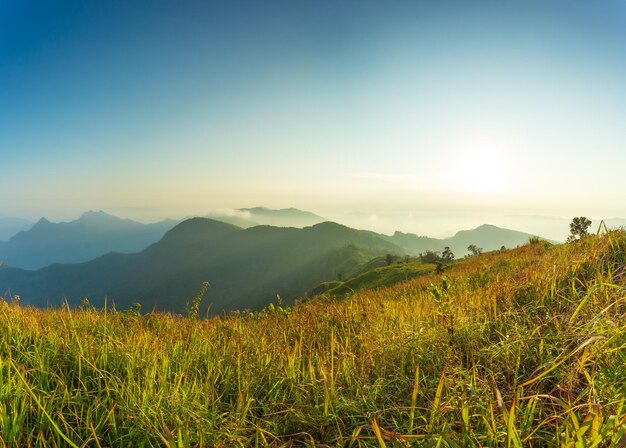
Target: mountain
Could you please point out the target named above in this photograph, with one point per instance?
(554, 227)
(487, 237)
(250, 217)
(10, 226)
(378, 272)
(414, 244)
(92, 235)
(245, 267)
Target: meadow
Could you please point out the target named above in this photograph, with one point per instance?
(517, 348)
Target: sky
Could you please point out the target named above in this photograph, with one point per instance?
(419, 116)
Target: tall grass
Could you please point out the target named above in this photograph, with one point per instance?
(525, 347)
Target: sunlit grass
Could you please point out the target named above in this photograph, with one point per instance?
(517, 348)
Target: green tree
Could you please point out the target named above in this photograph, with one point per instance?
(430, 257)
(447, 256)
(475, 250)
(578, 228)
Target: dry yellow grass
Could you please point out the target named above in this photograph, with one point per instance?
(525, 347)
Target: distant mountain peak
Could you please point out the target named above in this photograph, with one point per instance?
(483, 228)
(92, 214)
(329, 225)
(42, 222)
(199, 226)
(254, 216)
(93, 234)
(277, 211)
(255, 209)
(487, 226)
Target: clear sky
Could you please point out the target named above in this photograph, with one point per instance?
(348, 108)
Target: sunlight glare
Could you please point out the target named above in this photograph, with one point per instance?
(479, 171)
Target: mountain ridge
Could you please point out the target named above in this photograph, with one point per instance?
(486, 236)
(254, 216)
(10, 226)
(91, 235)
(246, 267)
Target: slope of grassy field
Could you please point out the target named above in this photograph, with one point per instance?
(378, 277)
(525, 347)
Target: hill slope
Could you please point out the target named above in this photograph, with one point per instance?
(92, 235)
(524, 347)
(246, 268)
(375, 277)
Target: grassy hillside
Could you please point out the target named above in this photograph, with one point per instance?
(525, 347)
(377, 277)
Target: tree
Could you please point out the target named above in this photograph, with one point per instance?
(447, 256)
(430, 257)
(578, 228)
(475, 250)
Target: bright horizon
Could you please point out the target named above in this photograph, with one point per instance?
(424, 118)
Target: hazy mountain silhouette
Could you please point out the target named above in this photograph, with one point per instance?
(414, 244)
(92, 235)
(487, 237)
(10, 226)
(285, 217)
(246, 267)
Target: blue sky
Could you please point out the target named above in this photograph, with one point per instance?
(155, 109)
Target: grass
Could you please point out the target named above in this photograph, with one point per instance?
(379, 277)
(525, 347)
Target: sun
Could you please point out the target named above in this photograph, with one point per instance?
(479, 172)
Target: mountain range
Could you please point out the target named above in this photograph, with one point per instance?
(255, 216)
(486, 237)
(11, 226)
(95, 233)
(91, 235)
(245, 267)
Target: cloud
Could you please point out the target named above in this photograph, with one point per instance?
(231, 213)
